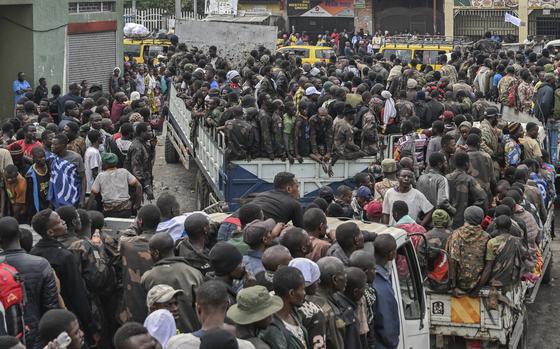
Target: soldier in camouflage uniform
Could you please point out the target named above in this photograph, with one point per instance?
(278, 146)
(466, 248)
(265, 125)
(405, 108)
(321, 135)
(482, 168)
(214, 112)
(344, 146)
(479, 106)
(140, 157)
(136, 260)
(370, 135)
(239, 136)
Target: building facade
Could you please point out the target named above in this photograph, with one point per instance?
(63, 41)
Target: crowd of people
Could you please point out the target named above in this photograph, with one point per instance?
(272, 274)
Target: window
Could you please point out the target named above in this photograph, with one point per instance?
(132, 50)
(431, 56)
(85, 7)
(404, 55)
(324, 54)
(301, 53)
(154, 51)
(410, 282)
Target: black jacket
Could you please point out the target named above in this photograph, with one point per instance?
(544, 102)
(40, 289)
(280, 206)
(72, 286)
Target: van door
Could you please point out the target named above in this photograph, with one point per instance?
(415, 329)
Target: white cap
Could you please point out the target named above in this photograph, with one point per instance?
(311, 91)
(308, 268)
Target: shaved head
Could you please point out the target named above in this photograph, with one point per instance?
(384, 245)
(161, 245)
(329, 267)
(275, 256)
(362, 259)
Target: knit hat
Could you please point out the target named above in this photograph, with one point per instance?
(363, 192)
(465, 124)
(447, 115)
(110, 159)
(513, 127)
(327, 85)
(389, 165)
(135, 117)
(440, 218)
(224, 258)
(474, 215)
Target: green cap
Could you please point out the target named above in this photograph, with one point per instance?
(254, 304)
(110, 159)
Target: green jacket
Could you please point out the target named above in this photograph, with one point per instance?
(278, 337)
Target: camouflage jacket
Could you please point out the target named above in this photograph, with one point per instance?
(344, 138)
(139, 161)
(467, 248)
(321, 132)
(464, 191)
(96, 270)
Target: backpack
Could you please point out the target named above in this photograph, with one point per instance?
(512, 97)
(12, 300)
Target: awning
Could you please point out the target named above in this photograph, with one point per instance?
(237, 19)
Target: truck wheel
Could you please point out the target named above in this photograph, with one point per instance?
(201, 191)
(547, 273)
(171, 155)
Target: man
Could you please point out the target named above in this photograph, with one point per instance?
(286, 329)
(40, 286)
(56, 321)
(227, 266)
(464, 190)
(349, 238)
(416, 200)
(133, 335)
(68, 180)
(387, 323)
(321, 136)
(530, 142)
(76, 143)
(482, 167)
(20, 87)
(259, 235)
(177, 273)
(92, 158)
(140, 158)
(447, 70)
(193, 246)
(544, 98)
(297, 241)
(434, 143)
(433, 184)
(466, 249)
(281, 202)
(252, 314)
(29, 140)
(344, 146)
(389, 168)
(406, 223)
(113, 184)
(172, 222)
(41, 92)
(73, 95)
(50, 227)
(332, 280)
(38, 178)
(162, 296)
(505, 85)
(15, 187)
(315, 224)
(362, 260)
(348, 301)
(136, 259)
(211, 307)
(513, 150)
(71, 114)
(10, 342)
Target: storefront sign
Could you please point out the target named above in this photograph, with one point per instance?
(317, 8)
(502, 4)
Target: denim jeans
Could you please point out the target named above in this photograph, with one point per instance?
(552, 127)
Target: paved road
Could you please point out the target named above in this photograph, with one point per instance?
(544, 314)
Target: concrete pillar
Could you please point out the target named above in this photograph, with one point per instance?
(363, 17)
(449, 17)
(524, 16)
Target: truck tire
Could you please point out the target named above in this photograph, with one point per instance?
(547, 273)
(171, 155)
(201, 190)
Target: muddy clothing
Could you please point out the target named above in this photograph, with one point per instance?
(482, 169)
(302, 136)
(278, 146)
(464, 191)
(507, 254)
(334, 331)
(467, 248)
(344, 145)
(239, 135)
(136, 260)
(195, 258)
(321, 134)
(177, 273)
(139, 161)
(370, 137)
(405, 109)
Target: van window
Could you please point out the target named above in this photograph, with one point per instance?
(324, 54)
(410, 282)
(431, 56)
(155, 50)
(132, 50)
(301, 53)
(404, 55)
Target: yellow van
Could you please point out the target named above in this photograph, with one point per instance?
(426, 53)
(310, 54)
(145, 50)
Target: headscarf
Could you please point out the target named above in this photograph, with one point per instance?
(440, 218)
(389, 111)
(161, 325)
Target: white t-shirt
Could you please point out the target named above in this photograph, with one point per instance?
(415, 200)
(92, 159)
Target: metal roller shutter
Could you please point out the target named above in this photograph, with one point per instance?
(91, 57)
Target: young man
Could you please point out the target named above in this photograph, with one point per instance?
(531, 146)
(349, 238)
(69, 188)
(389, 168)
(315, 224)
(387, 323)
(29, 141)
(92, 158)
(406, 223)
(38, 177)
(405, 192)
(297, 241)
(211, 307)
(133, 335)
(227, 264)
(259, 235)
(433, 184)
(163, 296)
(177, 273)
(362, 259)
(50, 227)
(113, 186)
(347, 302)
(193, 246)
(140, 157)
(40, 286)
(15, 187)
(56, 321)
(360, 200)
(273, 258)
(286, 329)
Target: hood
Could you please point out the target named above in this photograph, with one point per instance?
(469, 233)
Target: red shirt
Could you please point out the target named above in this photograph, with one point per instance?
(26, 147)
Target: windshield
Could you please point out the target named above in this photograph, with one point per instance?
(324, 54)
(404, 55)
(132, 50)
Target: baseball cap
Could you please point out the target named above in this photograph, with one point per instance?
(374, 208)
(311, 91)
(161, 294)
(363, 192)
(447, 115)
(308, 268)
(256, 230)
(254, 304)
(389, 165)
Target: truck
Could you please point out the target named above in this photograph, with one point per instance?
(221, 183)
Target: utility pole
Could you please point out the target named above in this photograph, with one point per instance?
(177, 11)
(195, 3)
